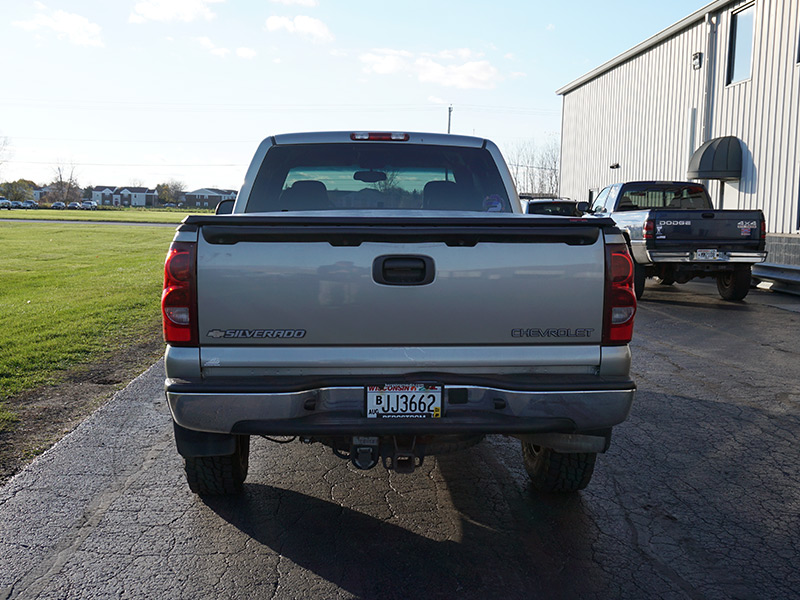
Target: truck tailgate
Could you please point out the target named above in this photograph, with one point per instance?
(349, 283)
(707, 228)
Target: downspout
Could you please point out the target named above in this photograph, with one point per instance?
(708, 92)
(711, 21)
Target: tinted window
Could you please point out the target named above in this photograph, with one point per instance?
(374, 176)
(658, 195)
(740, 55)
(563, 209)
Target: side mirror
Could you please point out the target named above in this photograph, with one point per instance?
(583, 207)
(225, 207)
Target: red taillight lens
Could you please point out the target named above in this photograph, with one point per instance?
(763, 229)
(649, 229)
(620, 305)
(179, 298)
(364, 136)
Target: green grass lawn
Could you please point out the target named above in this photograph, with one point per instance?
(69, 293)
(132, 215)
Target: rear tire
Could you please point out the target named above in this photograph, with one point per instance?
(552, 471)
(734, 285)
(639, 277)
(219, 475)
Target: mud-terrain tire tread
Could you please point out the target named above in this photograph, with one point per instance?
(734, 285)
(552, 471)
(219, 475)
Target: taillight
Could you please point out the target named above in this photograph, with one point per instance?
(763, 229)
(179, 298)
(620, 298)
(364, 136)
(649, 229)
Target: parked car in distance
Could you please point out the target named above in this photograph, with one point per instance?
(29, 204)
(563, 207)
(58, 206)
(16, 204)
(89, 205)
(169, 205)
(5, 203)
(73, 206)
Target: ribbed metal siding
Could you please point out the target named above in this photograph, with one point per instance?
(639, 115)
(763, 113)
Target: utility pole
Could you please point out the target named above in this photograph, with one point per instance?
(449, 113)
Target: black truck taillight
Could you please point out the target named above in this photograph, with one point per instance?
(620, 299)
(649, 229)
(179, 298)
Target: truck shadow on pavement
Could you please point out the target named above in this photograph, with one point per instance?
(501, 544)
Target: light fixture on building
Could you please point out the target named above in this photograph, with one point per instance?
(697, 61)
(614, 166)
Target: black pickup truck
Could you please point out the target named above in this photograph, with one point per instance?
(675, 234)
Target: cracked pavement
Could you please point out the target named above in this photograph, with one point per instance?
(698, 497)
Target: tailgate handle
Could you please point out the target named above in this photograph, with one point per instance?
(403, 270)
(708, 215)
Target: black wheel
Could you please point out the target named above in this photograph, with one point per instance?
(639, 277)
(734, 285)
(552, 471)
(219, 475)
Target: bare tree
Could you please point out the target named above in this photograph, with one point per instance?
(136, 182)
(171, 191)
(522, 164)
(549, 167)
(535, 169)
(3, 150)
(64, 187)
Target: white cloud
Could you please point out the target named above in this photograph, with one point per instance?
(308, 27)
(245, 53)
(470, 75)
(436, 100)
(456, 54)
(172, 10)
(450, 71)
(212, 47)
(551, 27)
(77, 29)
(310, 3)
(387, 62)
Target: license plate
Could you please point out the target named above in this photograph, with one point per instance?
(404, 400)
(706, 255)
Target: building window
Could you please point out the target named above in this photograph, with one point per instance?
(740, 49)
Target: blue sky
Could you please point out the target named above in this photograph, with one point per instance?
(142, 91)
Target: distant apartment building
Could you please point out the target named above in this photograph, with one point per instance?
(208, 197)
(106, 195)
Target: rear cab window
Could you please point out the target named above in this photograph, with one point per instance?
(677, 196)
(377, 176)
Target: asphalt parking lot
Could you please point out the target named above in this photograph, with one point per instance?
(698, 497)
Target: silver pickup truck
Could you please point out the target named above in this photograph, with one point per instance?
(383, 294)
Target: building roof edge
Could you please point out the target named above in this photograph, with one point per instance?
(667, 33)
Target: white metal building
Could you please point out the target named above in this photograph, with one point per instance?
(728, 73)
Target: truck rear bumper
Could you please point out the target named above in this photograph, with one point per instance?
(341, 410)
(662, 256)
